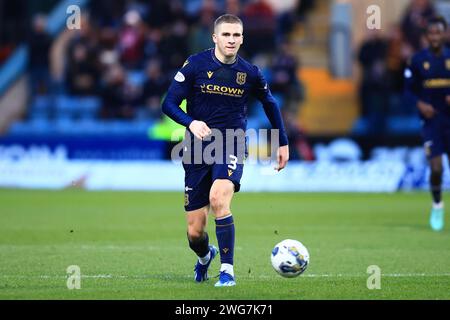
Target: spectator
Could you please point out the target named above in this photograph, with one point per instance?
(132, 40)
(233, 7)
(5, 51)
(39, 43)
(108, 53)
(260, 26)
(177, 11)
(119, 98)
(153, 43)
(373, 90)
(154, 88)
(174, 47)
(200, 37)
(398, 53)
(159, 14)
(414, 22)
(82, 74)
(107, 13)
(284, 77)
(286, 17)
(301, 149)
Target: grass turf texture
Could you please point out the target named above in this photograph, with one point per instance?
(132, 245)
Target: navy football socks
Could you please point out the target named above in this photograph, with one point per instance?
(225, 238)
(436, 187)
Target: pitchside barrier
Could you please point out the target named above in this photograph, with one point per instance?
(319, 176)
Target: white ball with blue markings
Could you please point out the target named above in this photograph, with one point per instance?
(290, 258)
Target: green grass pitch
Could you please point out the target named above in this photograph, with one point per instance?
(132, 245)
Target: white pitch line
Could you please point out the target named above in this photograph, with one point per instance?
(389, 275)
(90, 247)
(110, 276)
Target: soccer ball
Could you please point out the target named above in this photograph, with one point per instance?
(290, 258)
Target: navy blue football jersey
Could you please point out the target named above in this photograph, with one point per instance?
(428, 79)
(218, 94)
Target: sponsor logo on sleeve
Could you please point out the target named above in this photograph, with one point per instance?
(180, 77)
(408, 73)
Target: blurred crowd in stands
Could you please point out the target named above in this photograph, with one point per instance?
(12, 27)
(383, 58)
(127, 52)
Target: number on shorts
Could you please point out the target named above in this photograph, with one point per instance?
(233, 162)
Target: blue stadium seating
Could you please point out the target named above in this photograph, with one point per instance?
(83, 127)
(360, 127)
(136, 78)
(395, 125)
(403, 125)
(69, 107)
(40, 107)
(32, 127)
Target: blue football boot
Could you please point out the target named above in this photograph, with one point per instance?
(225, 280)
(201, 270)
(437, 218)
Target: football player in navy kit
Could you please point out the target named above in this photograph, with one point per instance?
(428, 81)
(217, 84)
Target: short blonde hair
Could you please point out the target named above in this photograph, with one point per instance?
(227, 18)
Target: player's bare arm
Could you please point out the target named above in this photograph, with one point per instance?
(447, 98)
(427, 109)
(282, 157)
(199, 129)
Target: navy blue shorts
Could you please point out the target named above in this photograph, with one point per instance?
(199, 177)
(436, 137)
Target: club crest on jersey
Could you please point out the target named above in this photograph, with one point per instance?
(426, 65)
(241, 78)
(447, 64)
(210, 74)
